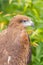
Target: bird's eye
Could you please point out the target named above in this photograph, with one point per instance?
(24, 20)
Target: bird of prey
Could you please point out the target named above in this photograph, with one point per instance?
(15, 48)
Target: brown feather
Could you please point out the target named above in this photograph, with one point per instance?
(14, 43)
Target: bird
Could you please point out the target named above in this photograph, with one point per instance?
(15, 47)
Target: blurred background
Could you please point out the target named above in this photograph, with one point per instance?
(33, 9)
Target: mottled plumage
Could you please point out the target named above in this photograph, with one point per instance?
(14, 43)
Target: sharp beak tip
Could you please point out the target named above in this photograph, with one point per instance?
(32, 24)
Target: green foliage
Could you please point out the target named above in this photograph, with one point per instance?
(33, 9)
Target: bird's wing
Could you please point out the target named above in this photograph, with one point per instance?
(26, 42)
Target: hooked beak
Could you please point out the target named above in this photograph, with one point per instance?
(28, 23)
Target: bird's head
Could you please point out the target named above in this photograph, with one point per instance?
(22, 20)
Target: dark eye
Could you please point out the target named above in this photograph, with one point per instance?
(24, 20)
